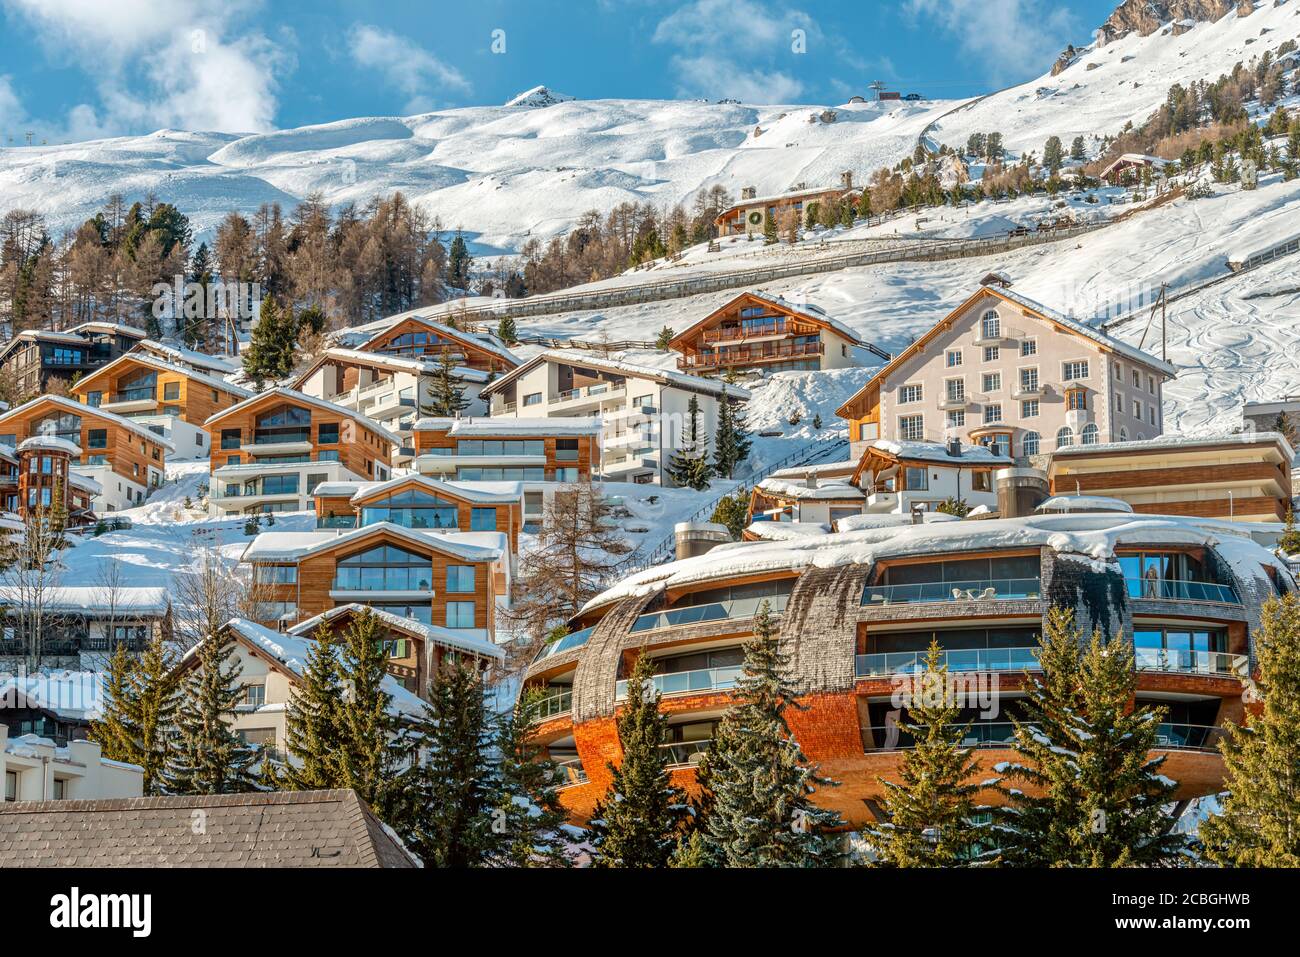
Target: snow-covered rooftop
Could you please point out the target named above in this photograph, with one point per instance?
(1083, 503)
(503, 425)
(502, 493)
(396, 363)
(176, 367)
(802, 491)
(77, 408)
(682, 380)
(49, 443)
(472, 640)
(1178, 442)
(189, 357)
(94, 601)
(292, 546)
(295, 395)
(936, 452)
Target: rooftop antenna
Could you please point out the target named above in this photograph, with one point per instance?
(877, 86)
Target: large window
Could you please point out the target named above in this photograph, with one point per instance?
(286, 424)
(483, 520)
(327, 433)
(421, 613)
(64, 425)
(911, 428)
(277, 574)
(917, 479)
(990, 325)
(504, 446)
(384, 568)
(1178, 576)
(412, 509)
(230, 438)
(566, 450)
(97, 439)
(460, 614)
(513, 474)
(460, 578)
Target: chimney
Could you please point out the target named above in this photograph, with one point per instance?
(1020, 491)
(696, 538)
(954, 448)
(748, 192)
(846, 179)
(810, 479)
(918, 514)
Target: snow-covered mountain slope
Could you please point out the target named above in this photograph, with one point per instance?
(529, 168)
(1124, 80)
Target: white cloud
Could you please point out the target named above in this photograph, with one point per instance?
(404, 65)
(738, 48)
(177, 63)
(1010, 39)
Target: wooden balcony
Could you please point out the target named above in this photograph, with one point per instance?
(750, 355)
(758, 330)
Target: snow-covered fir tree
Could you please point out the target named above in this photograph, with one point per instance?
(690, 467)
(731, 443)
(447, 398)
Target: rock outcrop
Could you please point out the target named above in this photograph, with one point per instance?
(1145, 17)
(1067, 57)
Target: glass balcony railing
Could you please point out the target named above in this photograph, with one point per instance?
(686, 753)
(686, 682)
(715, 611)
(990, 589)
(570, 641)
(1169, 589)
(1192, 662)
(961, 659)
(261, 437)
(336, 521)
(133, 395)
(571, 772)
(1195, 737)
(553, 705)
(1001, 734)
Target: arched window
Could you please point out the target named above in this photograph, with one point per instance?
(990, 325)
(1030, 443)
(1090, 434)
(1064, 437)
(384, 568)
(1123, 434)
(412, 508)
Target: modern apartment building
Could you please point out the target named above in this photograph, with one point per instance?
(453, 579)
(81, 625)
(270, 451)
(36, 769)
(761, 333)
(169, 398)
(645, 410)
(123, 457)
(857, 610)
(418, 337)
(39, 360)
(1004, 371)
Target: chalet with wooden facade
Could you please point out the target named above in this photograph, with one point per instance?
(1244, 477)
(169, 398)
(537, 452)
(46, 482)
(749, 216)
(39, 360)
(1004, 371)
(417, 337)
(270, 451)
(452, 580)
(82, 625)
(645, 410)
(124, 458)
(421, 502)
(391, 389)
(756, 332)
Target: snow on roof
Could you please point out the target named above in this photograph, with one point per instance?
(465, 490)
(1083, 329)
(482, 425)
(86, 483)
(777, 197)
(188, 357)
(1176, 442)
(821, 468)
(936, 452)
(857, 523)
(179, 368)
(1084, 503)
(809, 311)
(117, 327)
(51, 443)
(783, 488)
(292, 651)
(295, 395)
(79, 409)
(1094, 536)
(471, 640)
(681, 380)
(66, 693)
(380, 326)
(95, 600)
(397, 363)
(785, 531)
(292, 546)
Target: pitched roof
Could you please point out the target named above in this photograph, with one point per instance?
(806, 311)
(293, 395)
(163, 365)
(292, 546)
(383, 361)
(189, 357)
(680, 380)
(1030, 308)
(93, 600)
(463, 640)
(464, 491)
(505, 425)
(467, 338)
(79, 409)
(274, 829)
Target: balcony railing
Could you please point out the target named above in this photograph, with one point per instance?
(755, 330)
(1169, 589)
(133, 395)
(571, 772)
(687, 682)
(1001, 734)
(570, 641)
(1185, 661)
(732, 357)
(553, 705)
(337, 521)
(962, 659)
(716, 611)
(989, 589)
(686, 753)
(261, 437)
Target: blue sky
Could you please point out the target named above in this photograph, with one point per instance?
(78, 69)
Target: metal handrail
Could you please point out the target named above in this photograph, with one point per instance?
(688, 682)
(958, 659)
(1172, 589)
(553, 705)
(686, 753)
(713, 611)
(1187, 661)
(989, 589)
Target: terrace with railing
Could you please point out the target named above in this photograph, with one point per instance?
(1167, 589)
(1001, 734)
(988, 589)
(713, 611)
(963, 659)
(745, 355)
(688, 682)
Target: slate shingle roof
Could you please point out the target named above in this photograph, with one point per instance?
(278, 829)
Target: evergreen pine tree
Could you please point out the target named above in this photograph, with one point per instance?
(931, 807)
(458, 263)
(637, 822)
(1078, 150)
(448, 400)
(864, 204)
(116, 730)
(757, 774)
(731, 511)
(731, 442)
(455, 785)
(153, 712)
(208, 757)
(312, 735)
(664, 338)
(271, 348)
(1289, 540)
(506, 331)
(1100, 800)
(370, 750)
(1258, 824)
(770, 237)
(528, 817)
(689, 468)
